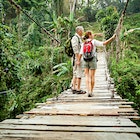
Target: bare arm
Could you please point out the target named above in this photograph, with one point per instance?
(79, 59)
(109, 40)
(77, 56)
(98, 34)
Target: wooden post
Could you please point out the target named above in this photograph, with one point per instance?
(117, 32)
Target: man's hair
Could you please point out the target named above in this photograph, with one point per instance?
(79, 28)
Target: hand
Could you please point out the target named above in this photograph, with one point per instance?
(113, 36)
(77, 62)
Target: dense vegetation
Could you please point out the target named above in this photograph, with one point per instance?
(126, 72)
(34, 67)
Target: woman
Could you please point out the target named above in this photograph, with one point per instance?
(91, 65)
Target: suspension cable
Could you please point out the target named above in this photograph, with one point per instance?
(19, 8)
(5, 92)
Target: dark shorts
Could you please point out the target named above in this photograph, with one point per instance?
(91, 64)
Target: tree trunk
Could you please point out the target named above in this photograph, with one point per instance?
(72, 6)
(117, 31)
(88, 3)
(57, 5)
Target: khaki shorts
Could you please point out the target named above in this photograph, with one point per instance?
(77, 70)
(91, 64)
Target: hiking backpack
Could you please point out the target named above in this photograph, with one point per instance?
(88, 51)
(68, 47)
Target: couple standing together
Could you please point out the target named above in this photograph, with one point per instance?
(89, 66)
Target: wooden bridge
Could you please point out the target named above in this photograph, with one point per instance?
(105, 116)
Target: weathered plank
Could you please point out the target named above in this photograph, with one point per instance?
(93, 99)
(43, 135)
(73, 121)
(105, 102)
(38, 127)
(119, 104)
(59, 110)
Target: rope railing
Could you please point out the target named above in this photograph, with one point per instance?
(5, 92)
(19, 8)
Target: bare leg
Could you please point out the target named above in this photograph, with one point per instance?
(87, 78)
(74, 83)
(92, 82)
(78, 83)
(71, 84)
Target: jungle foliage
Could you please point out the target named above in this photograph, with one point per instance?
(126, 72)
(34, 67)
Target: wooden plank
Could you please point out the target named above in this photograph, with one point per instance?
(96, 92)
(132, 117)
(128, 114)
(54, 100)
(70, 128)
(88, 105)
(94, 103)
(87, 109)
(96, 95)
(103, 91)
(85, 96)
(101, 112)
(73, 121)
(93, 99)
(125, 106)
(43, 135)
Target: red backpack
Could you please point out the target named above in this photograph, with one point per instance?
(88, 51)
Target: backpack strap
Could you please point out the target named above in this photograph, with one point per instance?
(92, 44)
(78, 41)
(80, 47)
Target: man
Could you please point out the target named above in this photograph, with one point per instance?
(77, 70)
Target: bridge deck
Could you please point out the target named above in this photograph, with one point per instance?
(105, 116)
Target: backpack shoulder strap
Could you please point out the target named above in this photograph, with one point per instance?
(92, 44)
(78, 39)
(89, 42)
